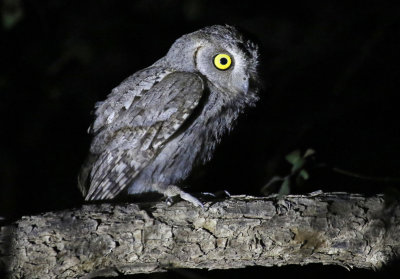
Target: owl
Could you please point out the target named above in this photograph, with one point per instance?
(162, 120)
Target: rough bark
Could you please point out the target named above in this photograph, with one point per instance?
(108, 240)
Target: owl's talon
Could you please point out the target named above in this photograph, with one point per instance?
(169, 201)
(187, 197)
(208, 194)
(171, 191)
(219, 194)
(227, 193)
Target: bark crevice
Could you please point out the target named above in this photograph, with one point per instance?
(344, 229)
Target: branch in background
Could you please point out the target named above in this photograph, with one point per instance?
(108, 240)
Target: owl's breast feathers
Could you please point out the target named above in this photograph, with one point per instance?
(132, 127)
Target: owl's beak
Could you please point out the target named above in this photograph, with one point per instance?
(245, 85)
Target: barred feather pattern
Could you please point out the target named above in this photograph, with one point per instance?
(157, 124)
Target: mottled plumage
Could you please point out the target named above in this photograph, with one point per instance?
(162, 120)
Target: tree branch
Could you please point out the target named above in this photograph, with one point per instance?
(108, 240)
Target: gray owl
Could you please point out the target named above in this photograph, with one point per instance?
(158, 123)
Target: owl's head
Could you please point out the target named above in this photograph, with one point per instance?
(221, 55)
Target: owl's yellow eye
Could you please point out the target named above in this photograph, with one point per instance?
(222, 61)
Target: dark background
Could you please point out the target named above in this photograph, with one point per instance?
(331, 74)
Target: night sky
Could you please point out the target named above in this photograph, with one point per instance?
(331, 79)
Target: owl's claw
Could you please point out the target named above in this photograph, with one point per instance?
(187, 197)
(169, 201)
(219, 194)
(172, 191)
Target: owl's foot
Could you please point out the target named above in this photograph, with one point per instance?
(219, 194)
(172, 191)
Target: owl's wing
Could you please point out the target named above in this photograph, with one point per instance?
(126, 96)
(137, 134)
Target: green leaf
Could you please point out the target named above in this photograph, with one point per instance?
(285, 188)
(293, 157)
(309, 152)
(304, 174)
(11, 13)
(296, 160)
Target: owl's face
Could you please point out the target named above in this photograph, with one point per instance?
(221, 55)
